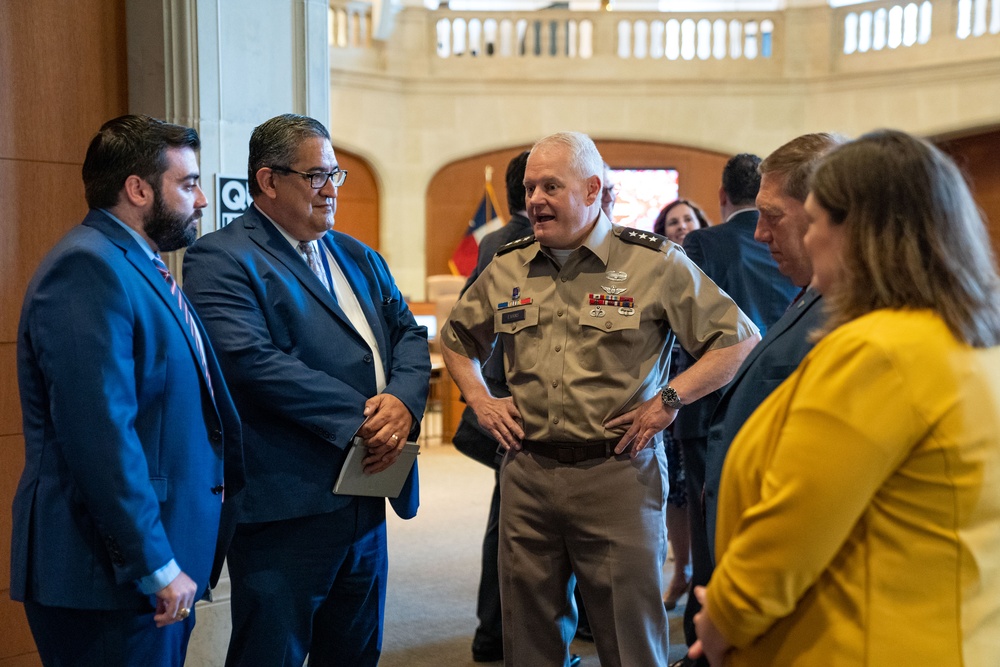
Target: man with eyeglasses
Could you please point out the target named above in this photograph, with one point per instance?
(318, 346)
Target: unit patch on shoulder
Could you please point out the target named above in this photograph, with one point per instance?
(639, 237)
(522, 242)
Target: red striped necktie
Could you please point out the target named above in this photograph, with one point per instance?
(175, 290)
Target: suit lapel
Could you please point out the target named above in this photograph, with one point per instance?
(264, 234)
(144, 265)
(795, 312)
(363, 290)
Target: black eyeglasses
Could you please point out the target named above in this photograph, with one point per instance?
(317, 179)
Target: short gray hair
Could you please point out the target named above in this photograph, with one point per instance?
(585, 159)
(274, 143)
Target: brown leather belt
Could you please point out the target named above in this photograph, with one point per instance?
(572, 452)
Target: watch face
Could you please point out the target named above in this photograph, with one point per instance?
(670, 398)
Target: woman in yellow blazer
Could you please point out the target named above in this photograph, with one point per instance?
(859, 513)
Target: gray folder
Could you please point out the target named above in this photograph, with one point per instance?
(353, 481)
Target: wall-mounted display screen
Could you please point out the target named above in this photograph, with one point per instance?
(642, 194)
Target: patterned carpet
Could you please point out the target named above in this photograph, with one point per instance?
(434, 569)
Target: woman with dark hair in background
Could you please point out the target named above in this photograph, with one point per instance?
(859, 511)
(678, 218)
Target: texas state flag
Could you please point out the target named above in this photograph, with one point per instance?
(463, 260)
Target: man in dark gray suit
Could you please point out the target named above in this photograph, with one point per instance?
(782, 226)
(487, 645)
(744, 269)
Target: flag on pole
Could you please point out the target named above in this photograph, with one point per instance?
(485, 220)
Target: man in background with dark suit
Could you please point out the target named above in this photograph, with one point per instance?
(745, 270)
(782, 226)
(127, 420)
(318, 346)
(487, 644)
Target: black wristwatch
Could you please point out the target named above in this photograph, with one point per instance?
(670, 398)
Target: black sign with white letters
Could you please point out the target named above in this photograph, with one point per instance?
(234, 198)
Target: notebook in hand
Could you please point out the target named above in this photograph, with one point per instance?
(353, 481)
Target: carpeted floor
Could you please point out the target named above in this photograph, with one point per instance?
(434, 569)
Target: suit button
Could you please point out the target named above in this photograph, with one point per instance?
(215, 435)
(216, 490)
(368, 358)
(117, 558)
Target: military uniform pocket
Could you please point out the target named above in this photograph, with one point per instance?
(520, 335)
(607, 341)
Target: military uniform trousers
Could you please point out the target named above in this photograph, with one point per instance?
(602, 519)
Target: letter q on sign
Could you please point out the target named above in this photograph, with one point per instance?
(234, 194)
(234, 198)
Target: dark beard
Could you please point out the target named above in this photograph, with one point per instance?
(168, 230)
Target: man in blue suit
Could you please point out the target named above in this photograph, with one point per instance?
(317, 345)
(131, 440)
(745, 270)
(782, 226)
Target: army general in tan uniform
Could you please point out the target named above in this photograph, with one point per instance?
(585, 314)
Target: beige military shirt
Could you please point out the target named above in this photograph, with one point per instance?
(591, 340)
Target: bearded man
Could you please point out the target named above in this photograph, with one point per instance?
(131, 438)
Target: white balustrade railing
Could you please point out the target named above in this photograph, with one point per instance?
(753, 38)
(690, 38)
(514, 37)
(573, 35)
(977, 18)
(875, 26)
(350, 24)
(886, 25)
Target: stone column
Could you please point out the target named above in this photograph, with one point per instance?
(223, 67)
